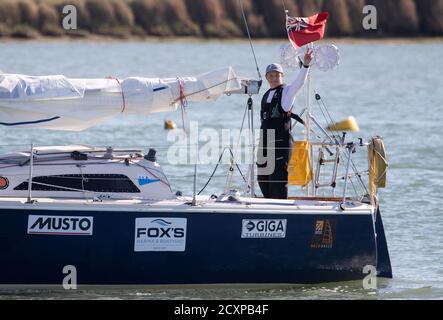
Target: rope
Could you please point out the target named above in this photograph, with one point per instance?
(250, 39)
(183, 102)
(205, 89)
(149, 171)
(123, 94)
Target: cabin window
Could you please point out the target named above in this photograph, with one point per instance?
(115, 183)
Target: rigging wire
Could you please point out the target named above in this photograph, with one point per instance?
(249, 36)
(284, 7)
(215, 169)
(230, 172)
(229, 177)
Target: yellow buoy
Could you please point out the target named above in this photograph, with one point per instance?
(349, 124)
(169, 125)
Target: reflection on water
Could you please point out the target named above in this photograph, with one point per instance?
(386, 289)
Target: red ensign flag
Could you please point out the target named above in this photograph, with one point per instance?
(302, 31)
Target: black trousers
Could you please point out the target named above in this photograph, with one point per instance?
(275, 185)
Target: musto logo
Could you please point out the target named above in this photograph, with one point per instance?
(60, 225)
(160, 234)
(265, 228)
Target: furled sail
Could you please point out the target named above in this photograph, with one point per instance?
(56, 102)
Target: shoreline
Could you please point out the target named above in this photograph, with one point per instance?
(138, 39)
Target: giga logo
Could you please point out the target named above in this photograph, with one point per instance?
(160, 234)
(266, 228)
(60, 225)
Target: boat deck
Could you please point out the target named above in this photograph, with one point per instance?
(203, 204)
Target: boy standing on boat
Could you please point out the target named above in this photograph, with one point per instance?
(275, 138)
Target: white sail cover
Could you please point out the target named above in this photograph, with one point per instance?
(56, 102)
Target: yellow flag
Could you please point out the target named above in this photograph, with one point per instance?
(299, 167)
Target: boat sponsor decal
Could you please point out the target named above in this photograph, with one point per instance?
(263, 228)
(146, 180)
(323, 237)
(160, 234)
(4, 183)
(60, 225)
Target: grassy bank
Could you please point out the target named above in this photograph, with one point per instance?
(220, 19)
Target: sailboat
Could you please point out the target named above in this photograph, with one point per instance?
(110, 214)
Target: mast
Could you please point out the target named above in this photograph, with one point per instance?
(308, 123)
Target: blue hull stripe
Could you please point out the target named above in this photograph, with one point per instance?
(28, 122)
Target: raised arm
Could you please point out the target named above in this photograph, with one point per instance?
(290, 91)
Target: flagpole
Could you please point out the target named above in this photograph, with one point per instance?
(308, 121)
(317, 21)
